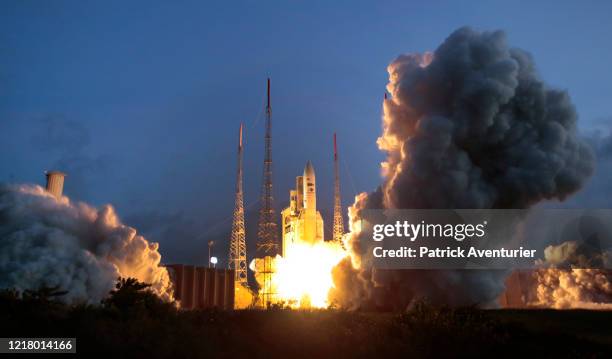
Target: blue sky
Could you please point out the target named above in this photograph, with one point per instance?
(141, 101)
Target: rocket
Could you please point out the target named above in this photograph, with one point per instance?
(309, 214)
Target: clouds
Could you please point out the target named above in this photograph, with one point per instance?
(470, 125)
(574, 278)
(477, 123)
(79, 248)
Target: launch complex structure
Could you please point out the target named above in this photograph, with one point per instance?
(201, 287)
(300, 221)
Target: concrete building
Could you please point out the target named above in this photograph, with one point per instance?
(55, 183)
(201, 287)
(301, 222)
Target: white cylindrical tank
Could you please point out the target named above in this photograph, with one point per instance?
(55, 183)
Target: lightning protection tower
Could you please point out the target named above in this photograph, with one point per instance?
(338, 229)
(267, 236)
(237, 251)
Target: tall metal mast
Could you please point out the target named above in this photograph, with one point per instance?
(267, 232)
(237, 251)
(338, 229)
(267, 236)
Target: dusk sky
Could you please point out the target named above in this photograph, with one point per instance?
(140, 102)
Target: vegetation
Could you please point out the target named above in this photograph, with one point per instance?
(133, 322)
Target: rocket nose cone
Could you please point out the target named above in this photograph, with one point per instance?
(309, 170)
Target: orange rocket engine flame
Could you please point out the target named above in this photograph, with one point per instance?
(303, 277)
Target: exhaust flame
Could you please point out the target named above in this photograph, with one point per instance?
(303, 278)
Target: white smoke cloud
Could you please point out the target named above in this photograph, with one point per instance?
(470, 125)
(79, 248)
(574, 288)
(571, 281)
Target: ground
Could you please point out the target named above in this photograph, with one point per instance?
(128, 326)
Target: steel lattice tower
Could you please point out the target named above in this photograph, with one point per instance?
(338, 230)
(267, 236)
(237, 251)
(266, 231)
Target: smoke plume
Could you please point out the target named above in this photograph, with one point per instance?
(470, 125)
(573, 280)
(46, 242)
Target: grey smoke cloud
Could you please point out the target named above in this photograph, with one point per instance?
(79, 248)
(470, 125)
(478, 123)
